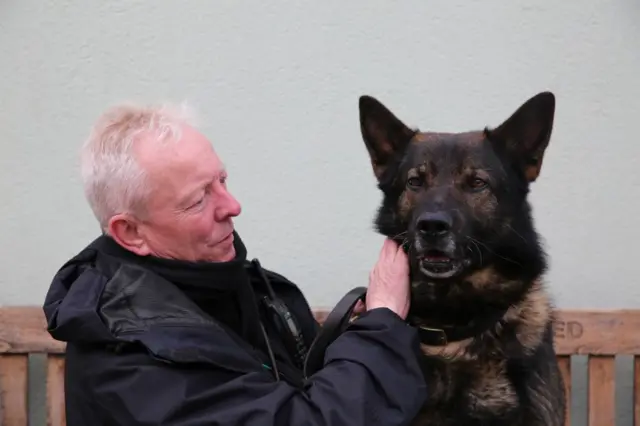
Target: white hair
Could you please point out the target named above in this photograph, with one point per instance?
(113, 180)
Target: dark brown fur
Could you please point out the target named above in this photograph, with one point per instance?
(461, 199)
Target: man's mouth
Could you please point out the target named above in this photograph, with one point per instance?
(227, 238)
(438, 264)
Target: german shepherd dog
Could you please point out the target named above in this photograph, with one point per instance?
(457, 202)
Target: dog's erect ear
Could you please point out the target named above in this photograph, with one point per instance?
(528, 131)
(383, 133)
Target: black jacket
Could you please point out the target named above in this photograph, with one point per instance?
(145, 348)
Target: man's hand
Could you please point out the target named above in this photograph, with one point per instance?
(389, 281)
(359, 308)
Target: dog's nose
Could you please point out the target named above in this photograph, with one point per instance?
(434, 224)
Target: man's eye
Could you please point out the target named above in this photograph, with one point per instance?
(197, 203)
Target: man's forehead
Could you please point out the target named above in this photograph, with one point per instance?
(192, 148)
(180, 168)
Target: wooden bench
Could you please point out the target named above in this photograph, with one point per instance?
(600, 335)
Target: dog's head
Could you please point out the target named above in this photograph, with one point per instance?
(458, 201)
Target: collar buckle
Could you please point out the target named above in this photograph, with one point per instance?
(433, 336)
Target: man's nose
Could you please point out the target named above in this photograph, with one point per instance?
(227, 206)
(434, 224)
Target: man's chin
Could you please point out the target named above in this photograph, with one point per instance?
(221, 253)
(229, 255)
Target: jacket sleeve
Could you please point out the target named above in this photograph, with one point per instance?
(371, 377)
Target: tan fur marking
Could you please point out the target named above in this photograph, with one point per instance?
(531, 317)
(483, 206)
(483, 277)
(483, 203)
(491, 391)
(427, 137)
(470, 137)
(488, 277)
(532, 172)
(414, 172)
(454, 351)
(406, 199)
(405, 204)
(377, 170)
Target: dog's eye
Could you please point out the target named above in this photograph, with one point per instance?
(477, 183)
(413, 181)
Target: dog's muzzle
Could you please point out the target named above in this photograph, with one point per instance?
(435, 247)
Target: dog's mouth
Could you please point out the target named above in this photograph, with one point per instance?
(438, 264)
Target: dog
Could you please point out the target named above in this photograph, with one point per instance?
(457, 203)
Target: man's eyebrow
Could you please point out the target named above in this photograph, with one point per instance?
(187, 197)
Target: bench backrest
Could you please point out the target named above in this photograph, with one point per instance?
(598, 335)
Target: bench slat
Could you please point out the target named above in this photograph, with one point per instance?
(601, 399)
(13, 390)
(24, 331)
(597, 332)
(576, 332)
(636, 391)
(55, 391)
(582, 332)
(564, 362)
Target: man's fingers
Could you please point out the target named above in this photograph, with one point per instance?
(390, 248)
(384, 250)
(400, 254)
(394, 250)
(359, 308)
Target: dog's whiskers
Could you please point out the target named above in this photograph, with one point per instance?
(516, 232)
(478, 249)
(493, 252)
(406, 243)
(402, 234)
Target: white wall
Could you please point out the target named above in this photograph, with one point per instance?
(278, 83)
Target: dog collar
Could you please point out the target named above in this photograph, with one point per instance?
(443, 334)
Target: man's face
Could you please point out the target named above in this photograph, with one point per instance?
(189, 213)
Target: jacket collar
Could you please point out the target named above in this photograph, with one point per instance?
(94, 299)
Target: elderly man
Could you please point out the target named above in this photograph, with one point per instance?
(167, 322)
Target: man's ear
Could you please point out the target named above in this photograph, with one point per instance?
(383, 133)
(125, 230)
(526, 133)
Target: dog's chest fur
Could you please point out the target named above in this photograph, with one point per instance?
(478, 381)
(467, 392)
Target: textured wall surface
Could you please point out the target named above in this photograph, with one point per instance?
(277, 84)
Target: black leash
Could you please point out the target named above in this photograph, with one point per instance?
(334, 325)
(338, 320)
